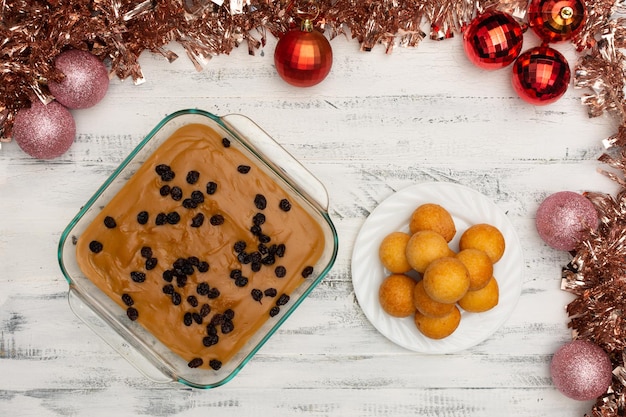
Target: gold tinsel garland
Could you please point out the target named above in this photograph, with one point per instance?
(34, 32)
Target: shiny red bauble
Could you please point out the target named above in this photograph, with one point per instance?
(541, 75)
(557, 20)
(303, 58)
(493, 40)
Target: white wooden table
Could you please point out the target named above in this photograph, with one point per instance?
(377, 124)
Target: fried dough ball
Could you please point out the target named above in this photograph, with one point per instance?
(433, 217)
(426, 305)
(485, 237)
(396, 295)
(438, 327)
(392, 252)
(481, 300)
(446, 280)
(424, 247)
(479, 266)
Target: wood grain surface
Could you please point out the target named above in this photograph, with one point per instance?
(379, 123)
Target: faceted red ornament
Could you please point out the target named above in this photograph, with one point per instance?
(541, 75)
(303, 57)
(493, 40)
(557, 20)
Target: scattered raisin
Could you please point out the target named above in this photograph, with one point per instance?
(109, 222)
(258, 219)
(216, 320)
(239, 246)
(227, 326)
(229, 314)
(203, 288)
(168, 289)
(255, 229)
(274, 310)
(256, 294)
(197, 318)
(161, 219)
(255, 266)
(306, 272)
(195, 362)
(142, 217)
(264, 238)
(217, 220)
(146, 252)
(280, 250)
(211, 187)
(241, 281)
(176, 193)
(192, 300)
(213, 293)
(244, 258)
(165, 190)
(210, 340)
(262, 248)
(168, 275)
(268, 260)
(151, 263)
(95, 246)
(211, 330)
(132, 313)
(255, 257)
(226, 142)
(282, 300)
(192, 177)
(168, 176)
(188, 203)
(243, 169)
(260, 202)
(270, 292)
(215, 364)
(280, 271)
(176, 298)
(128, 300)
(203, 266)
(187, 320)
(162, 168)
(284, 205)
(193, 260)
(181, 281)
(197, 220)
(205, 310)
(235, 273)
(173, 217)
(197, 197)
(138, 276)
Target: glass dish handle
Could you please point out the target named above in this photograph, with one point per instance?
(104, 329)
(287, 165)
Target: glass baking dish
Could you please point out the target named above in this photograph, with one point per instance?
(110, 320)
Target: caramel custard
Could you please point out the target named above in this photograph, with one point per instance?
(200, 246)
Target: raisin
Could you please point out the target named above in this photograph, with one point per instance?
(262, 248)
(192, 177)
(255, 257)
(176, 298)
(203, 288)
(243, 169)
(128, 300)
(162, 168)
(197, 197)
(258, 219)
(192, 300)
(215, 364)
(227, 326)
(109, 222)
(213, 293)
(203, 266)
(168, 275)
(179, 263)
(187, 320)
(217, 320)
(256, 294)
(173, 217)
(270, 292)
(193, 260)
(244, 258)
(280, 250)
(188, 203)
(229, 314)
(217, 220)
(306, 272)
(176, 193)
(132, 313)
(197, 220)
(255, 229)
(211, 330)
(181, 281)
(241, 281)
(197, 318)
(239, 246)
(274, 310)
(211, 187)
(210, 340)
(146, 252)
(260, 202)
(195, 362)
(95, 246)
(255, 266)
(282, 300)
(264, 238)
(168, 289)
(284, 205)
(165, 190)
(138, 276)
(226, 142)
(268, 260)
(168, 176)
(235, 273)
(161, 219)
(151, 263)
(142, 217)
(280, 271)
(205, 310)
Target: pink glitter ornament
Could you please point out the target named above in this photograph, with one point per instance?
(563, 218)
(581, 370)
(44, 131)
(86, 79)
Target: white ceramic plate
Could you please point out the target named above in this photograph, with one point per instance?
(467, 207)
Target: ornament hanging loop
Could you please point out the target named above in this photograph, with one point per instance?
(307, 9)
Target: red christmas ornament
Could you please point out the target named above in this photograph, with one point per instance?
(541, 75)
(493, 40)
(303, 57)
(557, 20)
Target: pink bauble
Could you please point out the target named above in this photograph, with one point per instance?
(563, 218)
(44, 131)
(581, 370)
(86, 79)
